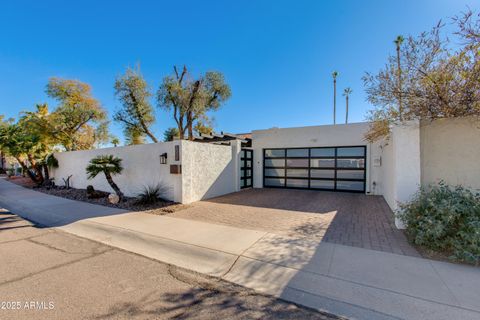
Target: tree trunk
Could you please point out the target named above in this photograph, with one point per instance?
(190, 125)
(399, 69)
(25, 168)
(346, 112)
(181, 133)
(46, 172)
(149, 133)
(334, 101)
(37, 169)
(113, 185)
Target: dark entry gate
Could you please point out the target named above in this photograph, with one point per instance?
(326, 168)
(246, 168)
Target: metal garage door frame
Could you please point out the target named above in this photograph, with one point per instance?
(335, 168)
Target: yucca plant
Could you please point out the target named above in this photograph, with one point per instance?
(109, 165)
(152, 194)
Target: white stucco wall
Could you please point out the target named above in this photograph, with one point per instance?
(208, 170)
(141, 165)
(450, 150)
(401, 173)
(317, 136)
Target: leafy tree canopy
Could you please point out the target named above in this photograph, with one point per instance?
(427, 79)
(189, 99)
(136, 114)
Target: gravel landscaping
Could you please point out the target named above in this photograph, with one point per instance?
(128, 203)
(160, 207)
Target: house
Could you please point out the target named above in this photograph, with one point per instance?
(329, 157)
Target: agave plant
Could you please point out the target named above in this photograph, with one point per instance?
(110, 166)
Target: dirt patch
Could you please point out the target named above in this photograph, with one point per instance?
(22, 181)
(161, 207)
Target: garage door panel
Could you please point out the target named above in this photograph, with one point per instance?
(322, 184)
(297, 183)
(350, 185)
(274, 162)
(297, 163)
(274, 182)
(275, 153)
(322, 152)
(300, 173)
(274, 172)
(351, 152)
(322, 163)
(322, 173)
(350, 163)
(326, 168)
(301, 153)
(351, 174)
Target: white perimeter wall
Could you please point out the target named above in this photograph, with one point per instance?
(401, 170)
(450, 150)
(317, 136)
(208, 170)
(141, 165)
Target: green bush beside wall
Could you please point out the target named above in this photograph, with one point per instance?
(446, 219)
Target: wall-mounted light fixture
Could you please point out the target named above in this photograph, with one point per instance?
(163, 158)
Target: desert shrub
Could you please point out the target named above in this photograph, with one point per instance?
(447, 219)
(152, 194)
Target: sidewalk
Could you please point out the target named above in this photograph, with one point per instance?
(343, 280)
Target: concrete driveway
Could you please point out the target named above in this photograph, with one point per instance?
(343, 218)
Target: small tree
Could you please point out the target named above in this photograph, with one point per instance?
(79, 119)
(191, 99)
(136, 113)
(115, 141)
(170, 134)
(427, 79)
(109, 165)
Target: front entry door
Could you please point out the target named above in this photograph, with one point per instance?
(246, 168)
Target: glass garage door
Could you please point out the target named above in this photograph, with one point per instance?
(332, 168)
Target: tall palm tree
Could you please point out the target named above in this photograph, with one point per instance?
(398, 44)
(109, 165)
(334, 75)
(346, 94)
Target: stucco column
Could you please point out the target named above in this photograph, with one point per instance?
(407, 165)
(236, 154)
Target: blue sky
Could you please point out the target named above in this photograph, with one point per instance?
(277, 56)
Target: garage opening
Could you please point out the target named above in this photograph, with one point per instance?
(324, 168)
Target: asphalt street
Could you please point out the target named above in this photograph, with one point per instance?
(48, 274)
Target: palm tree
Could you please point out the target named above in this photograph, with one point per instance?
(398, 43)
(346, 94)
(109, 165)
(115, 141)
(334, 75)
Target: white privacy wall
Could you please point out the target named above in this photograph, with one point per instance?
(141, 165)
(451, 152)
(401, 165)
(317, 136)
(208, 170)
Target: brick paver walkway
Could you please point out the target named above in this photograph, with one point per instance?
(345, 218)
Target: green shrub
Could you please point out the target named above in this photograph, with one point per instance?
(447, 219)
(152, 194)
